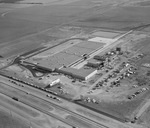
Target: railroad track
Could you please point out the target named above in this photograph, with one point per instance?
(78, 116)
(44, 111)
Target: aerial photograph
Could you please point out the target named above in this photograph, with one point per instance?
(74, 63)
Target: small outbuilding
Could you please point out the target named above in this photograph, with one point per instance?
(94, 63)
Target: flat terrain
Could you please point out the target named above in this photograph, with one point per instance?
(35, 29)
(6, 121)
(22, 24)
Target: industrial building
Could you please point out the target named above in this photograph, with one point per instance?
(77, 51)
(56, 61)
(65, 57)
(94, 63)
(62, 60)
(82, 73)
(53, 82)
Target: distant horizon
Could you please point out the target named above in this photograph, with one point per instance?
(74, 63)
(10, 1)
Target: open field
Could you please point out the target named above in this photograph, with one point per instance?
(20, 107)
(121, 18)
(22, 26)
(27, 22)
(78, 63)
(119, 110)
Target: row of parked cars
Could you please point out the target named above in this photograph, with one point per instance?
(14, 82)
(14, 78)
(53, 97)
(127, 73)
(30, 84)
(90, 100)
(137, 93)
(114, 74)
(137, 57)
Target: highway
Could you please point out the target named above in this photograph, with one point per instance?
(21, 116)
(38, 108)
(71, 107)
(84, 119)
(57, 105)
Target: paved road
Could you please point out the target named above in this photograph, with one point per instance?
(23, 99)
(44, 99)
(104, 49)
(15, 113)
(71, 108)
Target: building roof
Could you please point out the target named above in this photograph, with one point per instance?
(66, 56)
(60, 59)
(56, 61)
(78, 51)
(99, 57)
(94, 61)
(82, 72)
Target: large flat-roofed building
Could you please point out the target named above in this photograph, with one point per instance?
(82, 73)
(77, 51)
(65, 57)
(57, 61)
